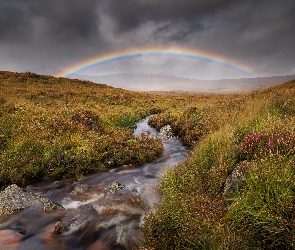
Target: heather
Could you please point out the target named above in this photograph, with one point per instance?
(258, 145)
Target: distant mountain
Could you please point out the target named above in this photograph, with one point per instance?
(144, 82)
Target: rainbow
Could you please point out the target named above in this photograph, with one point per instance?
(139, 52)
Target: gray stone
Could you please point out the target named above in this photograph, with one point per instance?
(114, 187)
(117, 187)
(166, 133)
(236, 179)
(14, 199)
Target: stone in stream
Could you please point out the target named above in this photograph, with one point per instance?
(166, 133)
(14, 199)
(114, 187)
(49, 235)
(9, 238)
(118, 187)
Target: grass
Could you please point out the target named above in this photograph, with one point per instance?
(61, 128)
(263, 213)
(195, 214)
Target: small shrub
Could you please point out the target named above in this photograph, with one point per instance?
(185, 221)
(190, 125)
(132, 150)
(63, 161)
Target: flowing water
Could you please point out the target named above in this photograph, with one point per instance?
(102, 211)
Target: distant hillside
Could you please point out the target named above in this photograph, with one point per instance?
(143, 82)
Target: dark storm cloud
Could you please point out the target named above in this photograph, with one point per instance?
(270, 22)
(14, 20)
(57, 32)
(262, 33)
(72, 18)
(241, 29)
(130, 14)
(54, 20)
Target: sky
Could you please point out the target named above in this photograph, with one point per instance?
(48, 37)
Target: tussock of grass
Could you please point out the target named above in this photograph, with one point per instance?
(263, 213)
(190, 124)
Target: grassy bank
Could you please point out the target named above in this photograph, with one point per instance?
(255, 130)
(61, 128)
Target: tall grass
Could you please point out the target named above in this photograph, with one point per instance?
(263, 214)
(195, 214)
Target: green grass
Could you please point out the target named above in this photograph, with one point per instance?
(263, 214)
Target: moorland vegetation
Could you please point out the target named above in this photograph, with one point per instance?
(53, 128)
(256, 130)
(60, 128)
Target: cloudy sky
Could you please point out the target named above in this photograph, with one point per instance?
(47, 37)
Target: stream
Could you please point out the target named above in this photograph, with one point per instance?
(102, 211)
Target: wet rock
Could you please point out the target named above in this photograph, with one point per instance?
(9, 237)
(235, 179)
(166, 133)
(98, 245)
(117, 187)
(14, 199)
(79, 191)
(50, 234)
(114, 187)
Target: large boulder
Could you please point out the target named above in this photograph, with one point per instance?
(14, 199)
